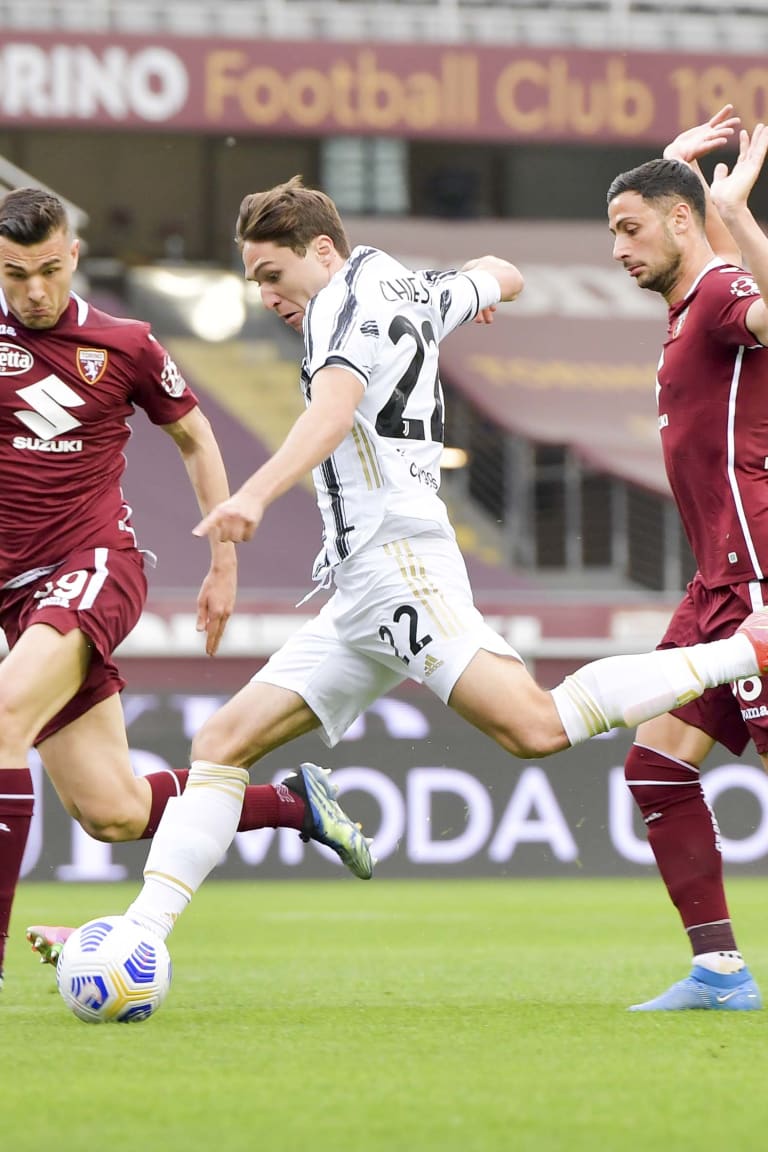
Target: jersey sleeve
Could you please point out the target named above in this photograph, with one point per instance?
(159, 387)
(459, 296)
(730, 292)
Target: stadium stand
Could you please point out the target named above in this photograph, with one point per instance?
(689, 25)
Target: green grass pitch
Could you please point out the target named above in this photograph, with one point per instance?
(470, 1016)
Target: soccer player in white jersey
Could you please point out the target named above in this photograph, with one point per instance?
(402, 605)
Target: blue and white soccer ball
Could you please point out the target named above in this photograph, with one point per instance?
(112, 969)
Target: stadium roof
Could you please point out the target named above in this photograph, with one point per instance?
(675, 25)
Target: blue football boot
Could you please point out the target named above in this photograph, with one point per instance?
(734, 992)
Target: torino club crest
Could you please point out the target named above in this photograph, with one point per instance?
(92, 363)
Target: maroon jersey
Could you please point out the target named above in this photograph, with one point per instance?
(712, 389)
(67, 394)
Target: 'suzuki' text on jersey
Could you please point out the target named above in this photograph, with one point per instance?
(712, 389)
(66, 395)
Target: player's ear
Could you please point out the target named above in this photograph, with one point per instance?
(324, 247)
(681, 218)
(75, 252)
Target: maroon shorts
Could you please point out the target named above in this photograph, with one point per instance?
(102, 592)
(732, 714)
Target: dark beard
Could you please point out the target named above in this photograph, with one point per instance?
(665, 279)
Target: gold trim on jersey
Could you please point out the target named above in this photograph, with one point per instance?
(367, 456)
(92, 363)
(429, 595)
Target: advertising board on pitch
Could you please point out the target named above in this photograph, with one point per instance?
(440, 799)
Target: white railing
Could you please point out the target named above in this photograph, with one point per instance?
(703, 25)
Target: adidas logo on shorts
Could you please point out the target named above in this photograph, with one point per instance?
(431, 664)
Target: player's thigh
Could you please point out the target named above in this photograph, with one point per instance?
(88, 762)
(316, 680)
(43, 670)
(258, 718)
(497, 694)
(673, 737)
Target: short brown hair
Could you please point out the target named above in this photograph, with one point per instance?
(291, 216)
(30, 215)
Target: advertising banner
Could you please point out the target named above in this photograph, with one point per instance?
(439, 798)
(468, 92)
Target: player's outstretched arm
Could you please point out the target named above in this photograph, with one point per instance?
(199, 450)
(510, 280)
(313, 438)
(699, 141)
(730, 191)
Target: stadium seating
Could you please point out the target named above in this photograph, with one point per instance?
(692, 25)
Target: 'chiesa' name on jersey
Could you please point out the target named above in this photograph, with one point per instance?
(383, 322)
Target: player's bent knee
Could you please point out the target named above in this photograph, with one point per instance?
(535, 730)
(109, 830)
(112, 823)
(529, 732)
(219, 744)
(533, 745)
(18, 729)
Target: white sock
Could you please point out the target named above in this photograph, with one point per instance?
(622, 691)
(723, 962)
(195, 831)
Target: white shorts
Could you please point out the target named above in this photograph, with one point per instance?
(400, 610)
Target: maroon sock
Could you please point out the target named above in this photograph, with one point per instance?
(17, 801)
(164, 784)
(685, 838)
(271, 806)
(264, 806)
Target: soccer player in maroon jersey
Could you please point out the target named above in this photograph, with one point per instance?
(72, 581)
(678, 238)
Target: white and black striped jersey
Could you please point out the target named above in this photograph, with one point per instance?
(384, 323)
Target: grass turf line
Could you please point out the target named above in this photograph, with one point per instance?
(444, 1015)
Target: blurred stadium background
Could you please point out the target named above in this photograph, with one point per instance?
(443, 129)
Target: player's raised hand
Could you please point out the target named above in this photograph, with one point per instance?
(234, 520)
(704, 138)
(730, 190)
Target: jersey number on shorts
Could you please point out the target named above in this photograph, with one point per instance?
(71, 586)
(391, 420)
(414, 643)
